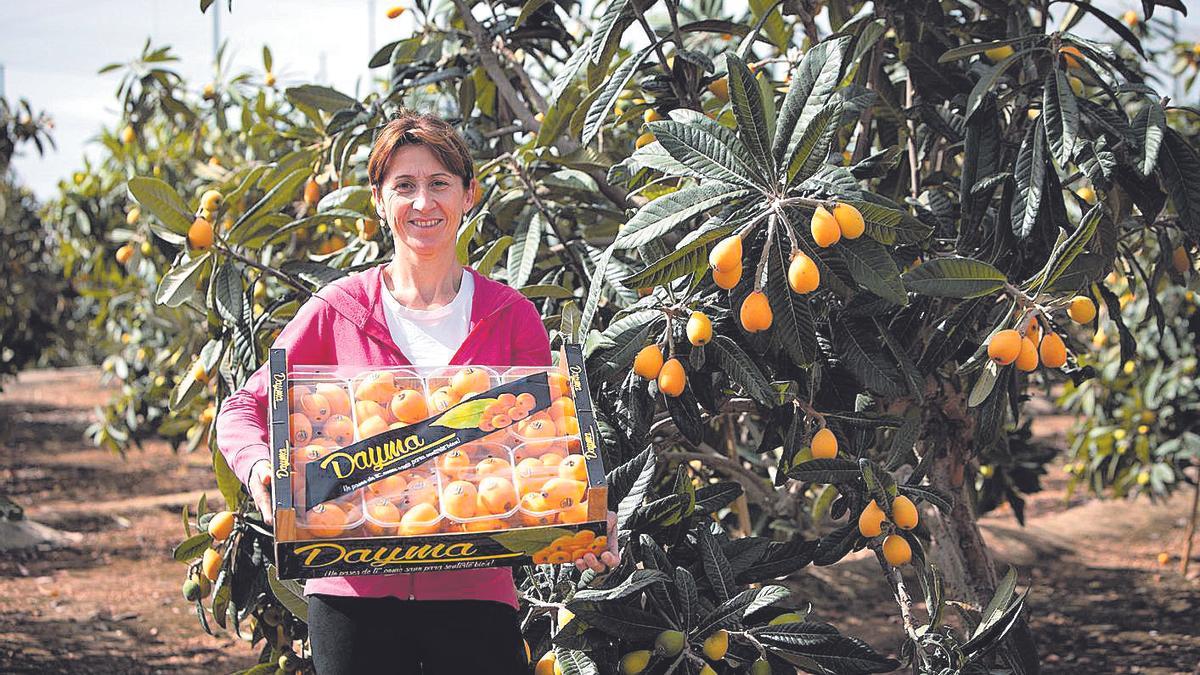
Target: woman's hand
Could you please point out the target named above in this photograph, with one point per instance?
(261, 489)
(608, 559)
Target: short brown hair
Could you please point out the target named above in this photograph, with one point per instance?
(411, 128)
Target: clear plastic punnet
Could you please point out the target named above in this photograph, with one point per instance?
(491, 459)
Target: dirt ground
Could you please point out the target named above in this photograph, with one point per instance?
(110, 602)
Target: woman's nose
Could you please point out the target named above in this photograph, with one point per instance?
(420, 198)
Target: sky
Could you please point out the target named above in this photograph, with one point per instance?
(51, 50)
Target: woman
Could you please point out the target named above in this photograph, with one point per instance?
(422, 308)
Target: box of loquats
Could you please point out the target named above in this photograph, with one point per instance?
(411, 469)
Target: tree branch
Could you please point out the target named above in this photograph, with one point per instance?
(491, 64)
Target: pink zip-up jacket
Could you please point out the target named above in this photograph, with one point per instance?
(344, 323)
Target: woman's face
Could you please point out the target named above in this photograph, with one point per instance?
(421, 201)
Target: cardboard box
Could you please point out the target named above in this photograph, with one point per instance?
(412, 469)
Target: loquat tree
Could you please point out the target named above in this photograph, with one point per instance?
(816, 254)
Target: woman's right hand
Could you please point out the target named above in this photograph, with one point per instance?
(261, 489)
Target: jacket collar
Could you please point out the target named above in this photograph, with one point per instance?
(365, 308)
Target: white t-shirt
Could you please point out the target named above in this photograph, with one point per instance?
(430, 337)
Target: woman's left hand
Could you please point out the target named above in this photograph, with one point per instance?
(607, 559)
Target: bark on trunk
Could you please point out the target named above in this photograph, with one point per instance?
(962, 556)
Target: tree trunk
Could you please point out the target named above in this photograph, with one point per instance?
(962, 556)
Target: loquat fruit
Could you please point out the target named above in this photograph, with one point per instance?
(803, 275)
(755, 313)
(699, 329)
(672, 378)
(824, 228)
(1004, 347)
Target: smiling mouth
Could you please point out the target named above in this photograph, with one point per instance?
(426, 224)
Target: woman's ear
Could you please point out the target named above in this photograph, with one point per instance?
(377, 202)
(473, 194)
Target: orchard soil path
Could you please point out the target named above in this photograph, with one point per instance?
(110, 603)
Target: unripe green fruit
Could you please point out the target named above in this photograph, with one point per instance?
(635, 662)
(191, 591)
(202, 523)
(205, 584)
(669, 643)
(289, 662)
(760, 667)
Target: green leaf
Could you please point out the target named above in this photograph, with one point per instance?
(954, 278)
(1086, 269)
(728, 614)
(779, 32)
(465, 415)
(678, 263)
(466, 233)
(321, 98)
(716, 566)
(888, 223)
(1148, 128)
(222, 593)
(716, 496)
(873, 268)
(355, 198)
(655, 156)
(880, 484)
(1180, 169)
(819, 648)
(528, 10)
(574, 662)
(600, 107)
(749, 111)
(792, 329)
(546, 291)
(179, 283)
(289, 593)
(621, 621)
(862, 356)
(812, 83)
(741, 369)
(826, 471)
(568, 73)
(812, 148)
(663, 214)
(161, 200)
(983, 386)
(1061, 115)
(523, 255)
(191, 548)
(632, 584)
(642, 474)
(967, 51)
(999, 601)
(715, 156)
(228, 292)
(280, 195)
(1062, 256)
(492, 256)
(987, 84)
(595, 290)
(1031, 179)
(558, 116)
(227, 481)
